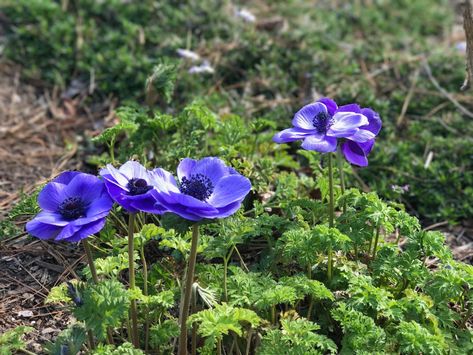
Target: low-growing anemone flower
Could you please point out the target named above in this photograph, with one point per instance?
(207, 188)
(74, 206)
(130, 186)
(355, 151)
(322, 123)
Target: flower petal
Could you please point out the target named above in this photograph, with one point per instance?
(163, 180)
(230, 189)
(115, 176)
(86, 186)
(304, 117)
(86, 231)
(133, 170)
(320, 143)
(213, 168)
(354, 154)
(188, 201)
(42, 230)
(346, 124)
(350, 108)
(367, 146)
(374, 120)
(52, 218)
(330, 104)
(68, 231)
(103, 204)
(51, 196)
(291, 135)
(119, 196)
(66, 177)
(362, 135)
(185, 167)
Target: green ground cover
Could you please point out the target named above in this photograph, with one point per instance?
(372, 52)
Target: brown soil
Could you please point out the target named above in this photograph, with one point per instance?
(40, 135)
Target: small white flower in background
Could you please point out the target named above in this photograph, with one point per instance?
(400, 189)
(204, 68)
(187, 54)
(461, 46)
(245, 15)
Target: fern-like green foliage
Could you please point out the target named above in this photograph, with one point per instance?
(11, 341)
(415, 339)
(162, 333)
(215, 323)
(361, 334)
(104, 305)
(123, 349)
(296, 337)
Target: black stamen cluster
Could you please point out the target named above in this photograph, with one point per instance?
(138, 187)
(198, 186)
(72, 208)
(322, 122)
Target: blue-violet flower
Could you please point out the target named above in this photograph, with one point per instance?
(130, 186)
(322, 123)
(207, 188)
(74, 206)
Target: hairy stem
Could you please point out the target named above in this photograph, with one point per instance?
(376, 238)
(331, 214)
(131, 268)
(342, 174)
(145, 292)
(184, 313)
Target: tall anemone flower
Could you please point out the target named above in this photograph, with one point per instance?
(74, 206)
(131, 186)
(322, 123)
(205, 188)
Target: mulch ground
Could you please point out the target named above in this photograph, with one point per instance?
(42, 133)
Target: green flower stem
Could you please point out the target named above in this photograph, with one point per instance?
(376, 238)
(311, 300)
(184, 311)
(342, 174)
(90, 260)
(93, 272)
(131, 268)
(331, 214)
(145, 292)
(226, 259)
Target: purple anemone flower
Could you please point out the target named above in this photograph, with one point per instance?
(130, 186)
(74, 206)
(322, 123)
(207, 188)
(356, 152)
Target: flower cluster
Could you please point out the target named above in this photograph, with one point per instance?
(75, 205)
(322, 124)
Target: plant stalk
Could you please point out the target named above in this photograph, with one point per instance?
(145, 292)
(131, 268)
(331, 214)
(184, 313)
(342, 175)
(376, 238)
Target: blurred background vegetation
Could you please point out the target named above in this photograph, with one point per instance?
(392, 55)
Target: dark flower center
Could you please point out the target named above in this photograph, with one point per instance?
(72, 208)
(322, 122)
(198, 186)
(138, 187)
